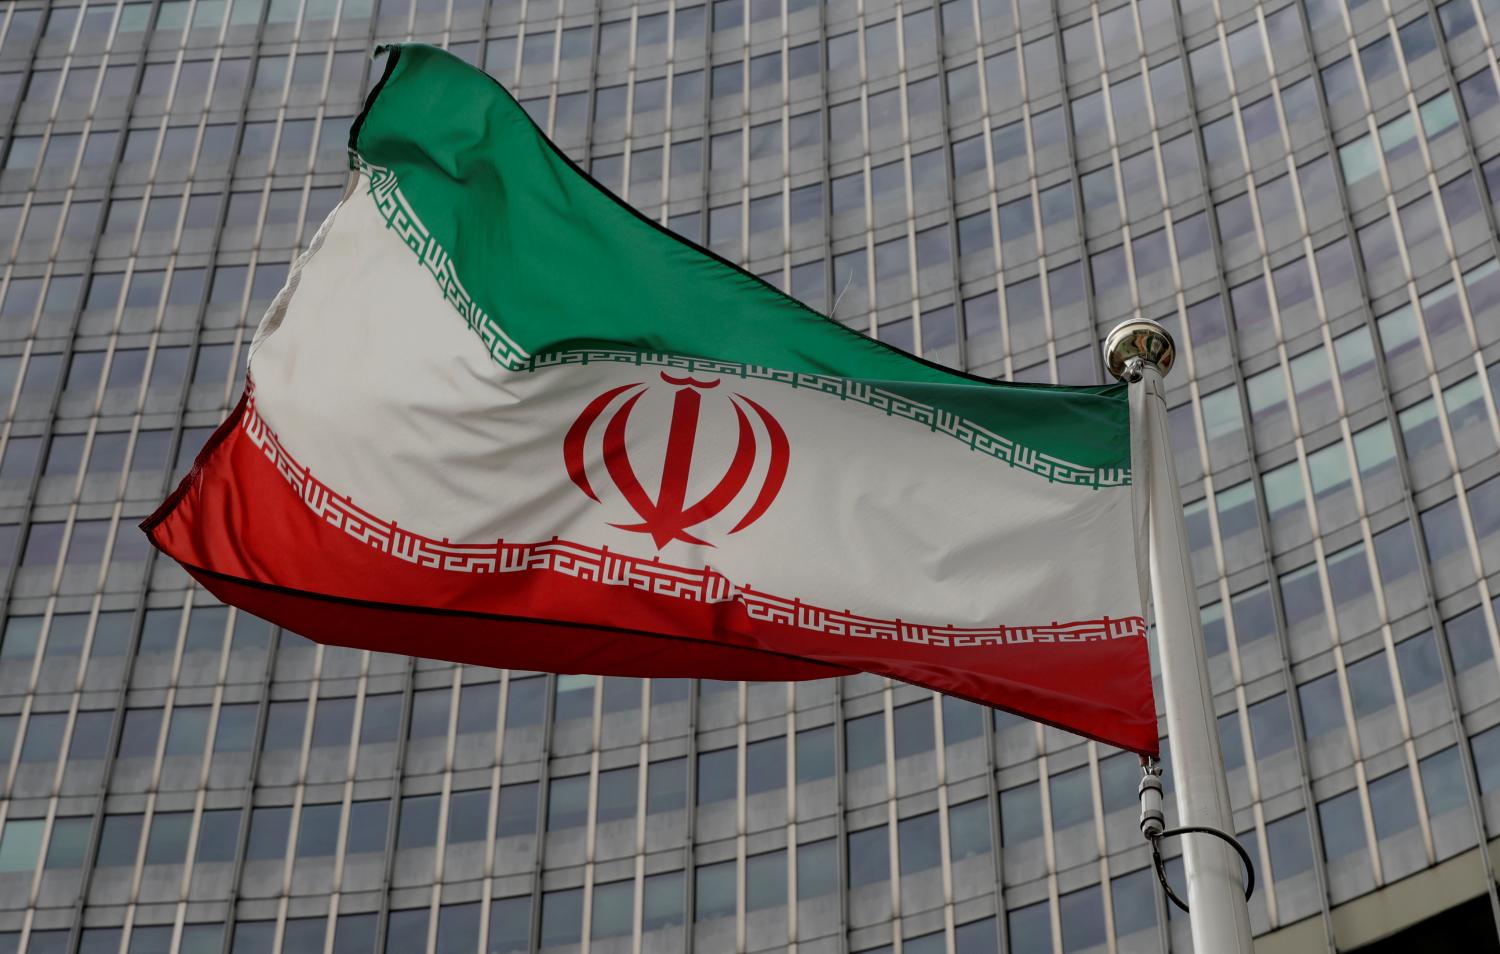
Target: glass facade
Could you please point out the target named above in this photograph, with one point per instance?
(1301, 191)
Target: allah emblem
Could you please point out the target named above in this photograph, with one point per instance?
(670, 516)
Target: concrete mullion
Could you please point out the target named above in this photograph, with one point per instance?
(689, 856)
(997, 850)
(544, 789)
(945, 142)
(1080, 211)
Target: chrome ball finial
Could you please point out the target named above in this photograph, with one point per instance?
(1135, 343)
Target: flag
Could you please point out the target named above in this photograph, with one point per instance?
(498, 417)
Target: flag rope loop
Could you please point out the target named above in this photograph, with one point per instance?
(1161, 871)
(1153, 826)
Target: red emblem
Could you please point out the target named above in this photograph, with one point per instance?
(669, 517)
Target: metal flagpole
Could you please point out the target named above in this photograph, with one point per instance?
(1141, 352)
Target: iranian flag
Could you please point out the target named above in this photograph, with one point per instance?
(498, 417)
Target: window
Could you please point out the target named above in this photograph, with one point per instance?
(1486, 749)
(765, 765)
(1443, 530)
(864, 741)
(718, 775)
(1072, 799)
(913, 728)
(1082, 919)
(1271, 726)
(524, 705)
(1443, 785)
(236, 727)
(1348, 575)
(662, 901)
(962, 720)
(1020, 813)
(1370, 685)
(1342, 824)
(817, 869)
(333, 722)
(382, 718)
(257, 937)
(468, 815)
(612, 910)
(300, 934)
(284, 722)
(510, 926)
(765, 881)
(1438, 115)
(919, 843)
(1231, 742)
(68, 843)
(1291, 848)
(269, 828)
(616, 798)
(168, 841)
(20, 844)
(1322, 705)
(575, 697)
(1417, 660)
(188, 731)
(1134, 902)
(666, 785)
(142, 729)
(406, 930)
(44, 735)
(1119, 776)
(1392, 805)
(815, 754)
(118, 841)
(20, 638)
(368, 825)
(969, 829)
(1283, 487)
(1254, 615)
(1468, 639)
(869, 857)
(1031, 928)
(567, 802)
(714, 886)
(218, 835)
(429, 714)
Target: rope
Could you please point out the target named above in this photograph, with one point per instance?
(1161, 871)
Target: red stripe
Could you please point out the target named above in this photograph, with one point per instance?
(248, 536)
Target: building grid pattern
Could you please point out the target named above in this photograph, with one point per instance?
(1304, 193)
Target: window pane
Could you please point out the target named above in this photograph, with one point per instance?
(869, 856)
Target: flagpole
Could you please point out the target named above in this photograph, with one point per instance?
(1141, 352)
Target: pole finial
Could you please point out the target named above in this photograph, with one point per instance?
(1137, 342)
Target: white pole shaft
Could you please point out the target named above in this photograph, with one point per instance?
(1219, 916)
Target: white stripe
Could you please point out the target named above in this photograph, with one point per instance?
(373, 386)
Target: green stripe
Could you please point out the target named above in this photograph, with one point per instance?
(561, 265)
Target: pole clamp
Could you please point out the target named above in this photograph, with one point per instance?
(1153, 820)
(1153, 826)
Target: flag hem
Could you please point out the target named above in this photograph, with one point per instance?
(204, 576)
(716, 657)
